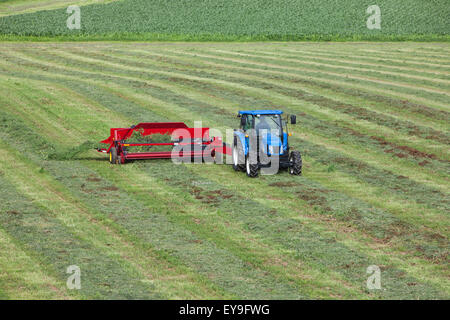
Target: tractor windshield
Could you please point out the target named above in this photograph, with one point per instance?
(269, 122)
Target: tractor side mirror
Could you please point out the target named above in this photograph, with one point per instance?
(293, 119)
(243, 121)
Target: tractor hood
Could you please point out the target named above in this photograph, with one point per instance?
(272, 144)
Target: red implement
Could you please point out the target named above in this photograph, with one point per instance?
(187, 142)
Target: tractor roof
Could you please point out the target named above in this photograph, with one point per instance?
(256, 112)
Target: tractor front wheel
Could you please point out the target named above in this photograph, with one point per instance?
(113, 159)
(250, 169)
(238, 155)
(295, 161)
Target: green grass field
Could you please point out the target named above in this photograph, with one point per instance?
(218, 20)
(14, 7)
(373, 127)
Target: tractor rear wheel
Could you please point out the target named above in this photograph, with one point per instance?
(113, 159)
(295, 160)
(238, 155)
(250, 169)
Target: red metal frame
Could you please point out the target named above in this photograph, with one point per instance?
(180, 134)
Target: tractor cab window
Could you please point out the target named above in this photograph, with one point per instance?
(271, 123)
(248, 122)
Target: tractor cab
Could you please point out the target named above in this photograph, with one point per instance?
(258, 120)
(268, 126)
(263, 133)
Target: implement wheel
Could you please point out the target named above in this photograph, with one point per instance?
(295, 161)
(113, 159)
(238, 155)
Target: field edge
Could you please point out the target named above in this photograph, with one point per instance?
(161, 37)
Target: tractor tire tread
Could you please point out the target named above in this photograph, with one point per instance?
(296, 168)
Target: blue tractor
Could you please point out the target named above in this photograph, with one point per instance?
(262, 142)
